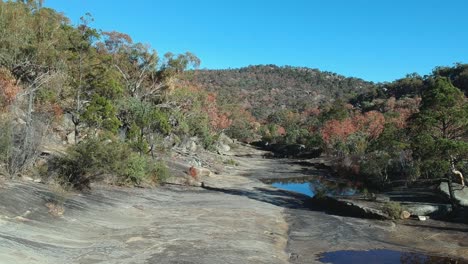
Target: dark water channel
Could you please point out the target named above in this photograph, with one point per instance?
(384, 256)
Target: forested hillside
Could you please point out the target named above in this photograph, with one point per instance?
(264, 89)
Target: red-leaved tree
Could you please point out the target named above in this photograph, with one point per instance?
(370, 124)
(8, 89)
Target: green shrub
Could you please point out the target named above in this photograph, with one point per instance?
(313, 141)
(159, 171)
(393, 209)
(241, 130)
(92, 159)
(101, 113)
(136, 169)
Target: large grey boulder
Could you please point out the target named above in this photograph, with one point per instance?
(225, 139)
(222, 148)
(223, 144)
(460, 192)
(435, 209)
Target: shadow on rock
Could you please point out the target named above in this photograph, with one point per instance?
(276, 197)
(292, 200)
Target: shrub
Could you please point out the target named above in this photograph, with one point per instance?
(136, 169)
(93, 159)
(393, 209)
(159, 171)
(241, 130)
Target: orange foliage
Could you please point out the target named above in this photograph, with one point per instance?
(211, 98)
(402, 119)
(8, 91)
(315, 111)
(370, 123)
(57, 110)
(281, 131)
(218, 120)
(335, 129)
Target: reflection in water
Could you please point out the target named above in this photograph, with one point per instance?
(384, 256)
(412, 258)
(312, 186)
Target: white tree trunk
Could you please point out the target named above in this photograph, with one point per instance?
(457, 172)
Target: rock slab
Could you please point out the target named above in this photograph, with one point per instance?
(460, 192)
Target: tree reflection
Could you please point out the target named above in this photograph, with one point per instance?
(322, 186)
(415, 258)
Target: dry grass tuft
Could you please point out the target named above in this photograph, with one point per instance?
(55, 209)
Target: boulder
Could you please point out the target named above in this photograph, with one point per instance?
(222, 148)
(67, 122)
(433, 209)
(198, 172)
(223, 144)
(71, 138)
(422, 218)
(225, 139)
(460, 192)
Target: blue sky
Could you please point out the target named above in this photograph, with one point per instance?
(377, 40)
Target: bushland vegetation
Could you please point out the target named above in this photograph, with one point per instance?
(124, 103)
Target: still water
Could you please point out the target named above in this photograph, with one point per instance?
(312, 186)
(383, 256)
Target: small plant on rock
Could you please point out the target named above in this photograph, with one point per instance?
(393, 209)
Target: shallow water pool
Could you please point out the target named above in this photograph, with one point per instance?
(312, 186)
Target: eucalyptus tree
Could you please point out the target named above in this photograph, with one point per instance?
(440, 140)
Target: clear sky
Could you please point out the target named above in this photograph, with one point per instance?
(377, 40)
